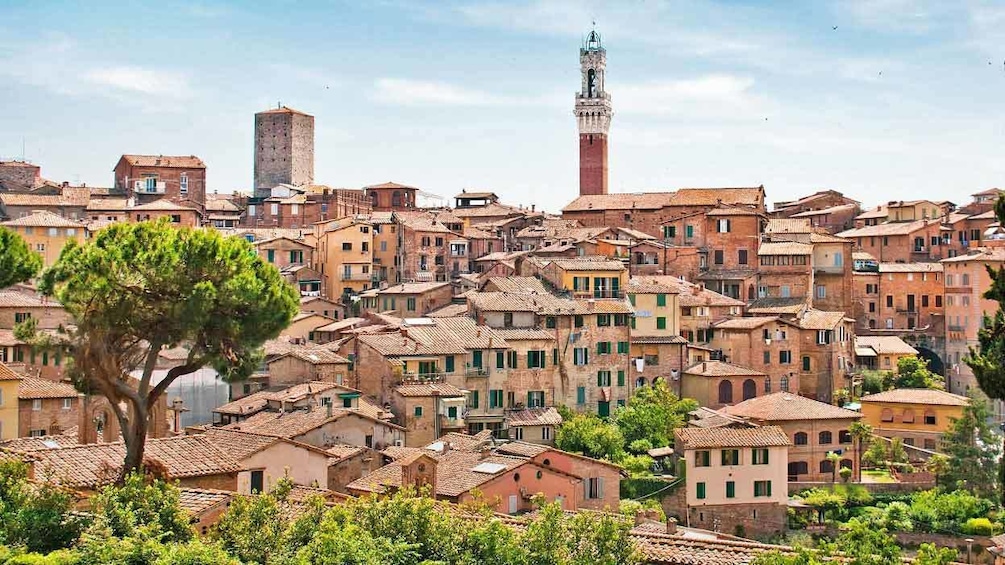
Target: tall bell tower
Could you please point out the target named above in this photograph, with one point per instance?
(593, 114)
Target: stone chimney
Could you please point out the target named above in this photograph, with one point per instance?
(671, 525)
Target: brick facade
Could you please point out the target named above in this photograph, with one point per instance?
(52, 417)
(179, 179)
(592, 163)
(284, 149)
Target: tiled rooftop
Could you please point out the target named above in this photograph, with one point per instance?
(36, 387)
(703, 438)
(782, 406)
(918, 396)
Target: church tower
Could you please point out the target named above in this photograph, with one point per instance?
(593, 114)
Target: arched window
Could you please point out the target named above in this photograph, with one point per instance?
(825, 438)
(396, 198)
(725, 392)
(784, 383)
(847, 464)
(797, 468)
(908, 416)
(844, 436)
(801, 438)
(750, 292)
(749, 389)
(886, 415)
(767, 385)
(826, 466)
(641, 382)
(591, 83)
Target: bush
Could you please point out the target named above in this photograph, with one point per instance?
(978, 527)
(637, 465)
(640, 446)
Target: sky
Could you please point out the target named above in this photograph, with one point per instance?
(880, 99)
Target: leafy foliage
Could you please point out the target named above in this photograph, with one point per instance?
(34, 516)
(142, 504)
(652, 414)
(913, 372)
(18, 263)
(973, 450)
(136, 289)
(591, 436)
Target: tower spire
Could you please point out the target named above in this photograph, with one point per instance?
(593, 115)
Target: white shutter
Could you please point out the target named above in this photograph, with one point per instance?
(600, 487)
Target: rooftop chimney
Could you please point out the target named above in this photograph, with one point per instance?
(671, 525)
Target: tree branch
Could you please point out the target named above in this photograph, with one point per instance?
(153, 352)
(191, 365)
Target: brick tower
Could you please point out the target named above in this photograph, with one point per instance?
(284, 149)
(593, 114)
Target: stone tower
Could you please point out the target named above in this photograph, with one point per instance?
(593, 114)
(284, 149)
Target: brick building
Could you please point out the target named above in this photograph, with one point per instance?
(284, 149)
(736, 478)
(391, 197)
(408, 300)
(298, 207)
(71, 203)
(19, 176)
(344, 257)
(431, 250)
(814, 428)
(901, 296)
(715, 384)
(46, 407)
(427, 410)
(902, 242)
(820, 200)
(145, 178)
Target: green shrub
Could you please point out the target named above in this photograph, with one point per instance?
(978, 527)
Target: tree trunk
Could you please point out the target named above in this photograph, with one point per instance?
(135, 436)
(1001, 473)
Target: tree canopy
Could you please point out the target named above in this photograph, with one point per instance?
(651, 415)
(136, 289)
(913, 372)
(973, 450)
(18, 263)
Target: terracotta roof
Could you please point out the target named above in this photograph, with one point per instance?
(720, 369)
(750, 196)
(534, 417)
(708, 418)
(821, 237)
(522, 449)
(462, 441)
(195, 501)
(875, 213)
(897, 228)
(35, 387)
(43, 200)
(885, 344)
(283, 110)
(342, 451)
(519, 285)
(43, 219)
(15, 299)
(314, 355)
(745, 323)
(455, 473)
(620, 201)
(294, 423)
(657, 339)
(823, 211)
(703, 438)
(6, 374)
(643, 285)
(518, 334)
(239, 444)
(788, 225)
(918, 396)
(782, 406)
(181, 162)
(246, 405)
(390, 184)
(491, 210)
(993, 254)
(910, 267)
(413, 288)
(691, 294)
(588, 264)
(777, 305)
(108, 204)
(449, 311)
(813, 319)
(732, 211)
(784, 248)
(163, 205)
(29, 444)
(428, 389)
(91, 465)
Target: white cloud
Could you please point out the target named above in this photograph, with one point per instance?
(710, 96)
(140, 80)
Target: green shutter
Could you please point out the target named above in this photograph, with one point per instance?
(661, 323)
(581, 395)
(621, 378)
(769, 488)
(701, 491)
(554, 356)
(529, 395)
(600, 380)
(474, 399)
(730, 489)
(449, 364)
(661, 300)
(631, 298)
(476, 359)
(500, 359)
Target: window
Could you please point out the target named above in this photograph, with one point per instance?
(603, 378)
(938, 301)
(767, 385)
(603, 319)
(580, 356)
(762, 488)
(725, 392)
(767, 357)
(669, 232)
(688, 231)
(257, 481)
(821, 291)
(448, 364)
(535, 399)
(749, 389)
(723, 226)
(476, 358)
(603, 347)
(274, 209)
(500, 359)
(785, 357)
(36, 404)
(535, 359)
(889, 301)
(700, 488)
(742, 256)
(806, 363)
(551, 322)
(718, 257)
(418, 411)
(21, 316)
(621, 378)
(511, 359)
(730, 489)
(183, 183)
(801, 439)
(580, 395)
(886, 415)
(844, 436)
(759, 456)
(578, 321)
(623, 347)
(908, 416)
(661, 323)
(545, 434)
(825, 438)
(67, 403)
(661, 300)
(496, 398)
(730, 457)
(929, 418)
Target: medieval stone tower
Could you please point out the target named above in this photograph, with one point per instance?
(284, 149)
(593, 113)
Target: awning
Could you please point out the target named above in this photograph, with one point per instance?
(865, 352)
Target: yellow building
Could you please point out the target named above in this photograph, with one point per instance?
(9, 382)
(47, 233)
(587, 277)
(386, 243)
(657, 308)
(344, 256)
(918, 416)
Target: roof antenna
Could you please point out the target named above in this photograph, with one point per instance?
(279, 104)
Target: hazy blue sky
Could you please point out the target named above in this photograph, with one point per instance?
(903, 100)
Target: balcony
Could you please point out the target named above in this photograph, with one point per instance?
(956, 328)
(361, 277)
(598, 293)
(141, 187)
(830, 270)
